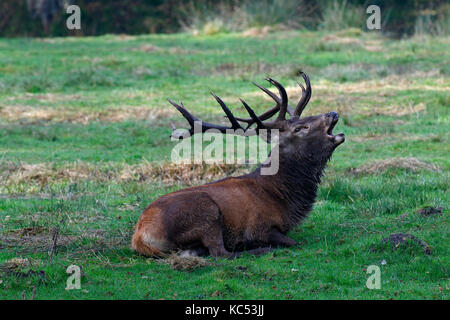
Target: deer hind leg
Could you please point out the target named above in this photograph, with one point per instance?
(195, 225)
(213, 240)
(149, 238)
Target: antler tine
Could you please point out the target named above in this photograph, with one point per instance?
(191, 119)
(204, 126)
(186, 114)
(269, 113)
(284, 99)
(259, 124)
(234, 123)
(269, 93)
(301, 86)
(266, 115)
(275, 98)
(306, 95)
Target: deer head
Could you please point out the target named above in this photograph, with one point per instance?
(311, 137)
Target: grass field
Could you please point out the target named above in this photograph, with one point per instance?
(85, 147)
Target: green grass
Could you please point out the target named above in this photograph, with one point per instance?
(393, 98)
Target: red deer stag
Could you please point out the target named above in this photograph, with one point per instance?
(254, 211)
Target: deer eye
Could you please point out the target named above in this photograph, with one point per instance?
(300, 128)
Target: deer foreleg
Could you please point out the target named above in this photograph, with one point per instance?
(277, 239)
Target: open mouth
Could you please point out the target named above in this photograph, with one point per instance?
(339, 138)
(332, 125)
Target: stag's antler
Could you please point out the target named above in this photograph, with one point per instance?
(306, 95)
(281, 102)
(282, 107)
(235, 125)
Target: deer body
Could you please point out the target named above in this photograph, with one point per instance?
(253, 211)
(199, 215)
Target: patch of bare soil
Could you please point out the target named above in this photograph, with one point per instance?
(398, 240)
(379, 166)
(40, 196)
(34, 239)
(37, 114)
(29, 231)
(14, 264)
(22, 268)
(430, 211)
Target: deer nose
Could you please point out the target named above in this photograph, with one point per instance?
(332, 114)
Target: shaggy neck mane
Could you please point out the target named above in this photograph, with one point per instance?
(296, 183)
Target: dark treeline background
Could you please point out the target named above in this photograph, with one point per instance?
(37, 18)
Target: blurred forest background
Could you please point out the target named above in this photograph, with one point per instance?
(39, 18)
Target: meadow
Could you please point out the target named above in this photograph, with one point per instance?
(85, 147)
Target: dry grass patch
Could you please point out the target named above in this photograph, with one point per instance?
(395, 137)
(397, 110)
(369, 137)
(347, 107)
(147, 48)
(334, 38)
(374, 45)
(184, 263)
(167, 173)
(388, 84)
(256, 32)
(121, 37)
(250, 69)
(436, 138)
(379, 166)
(183, 51)
(192, 174)
(37, 114)
(326, 99)
(46, 97)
